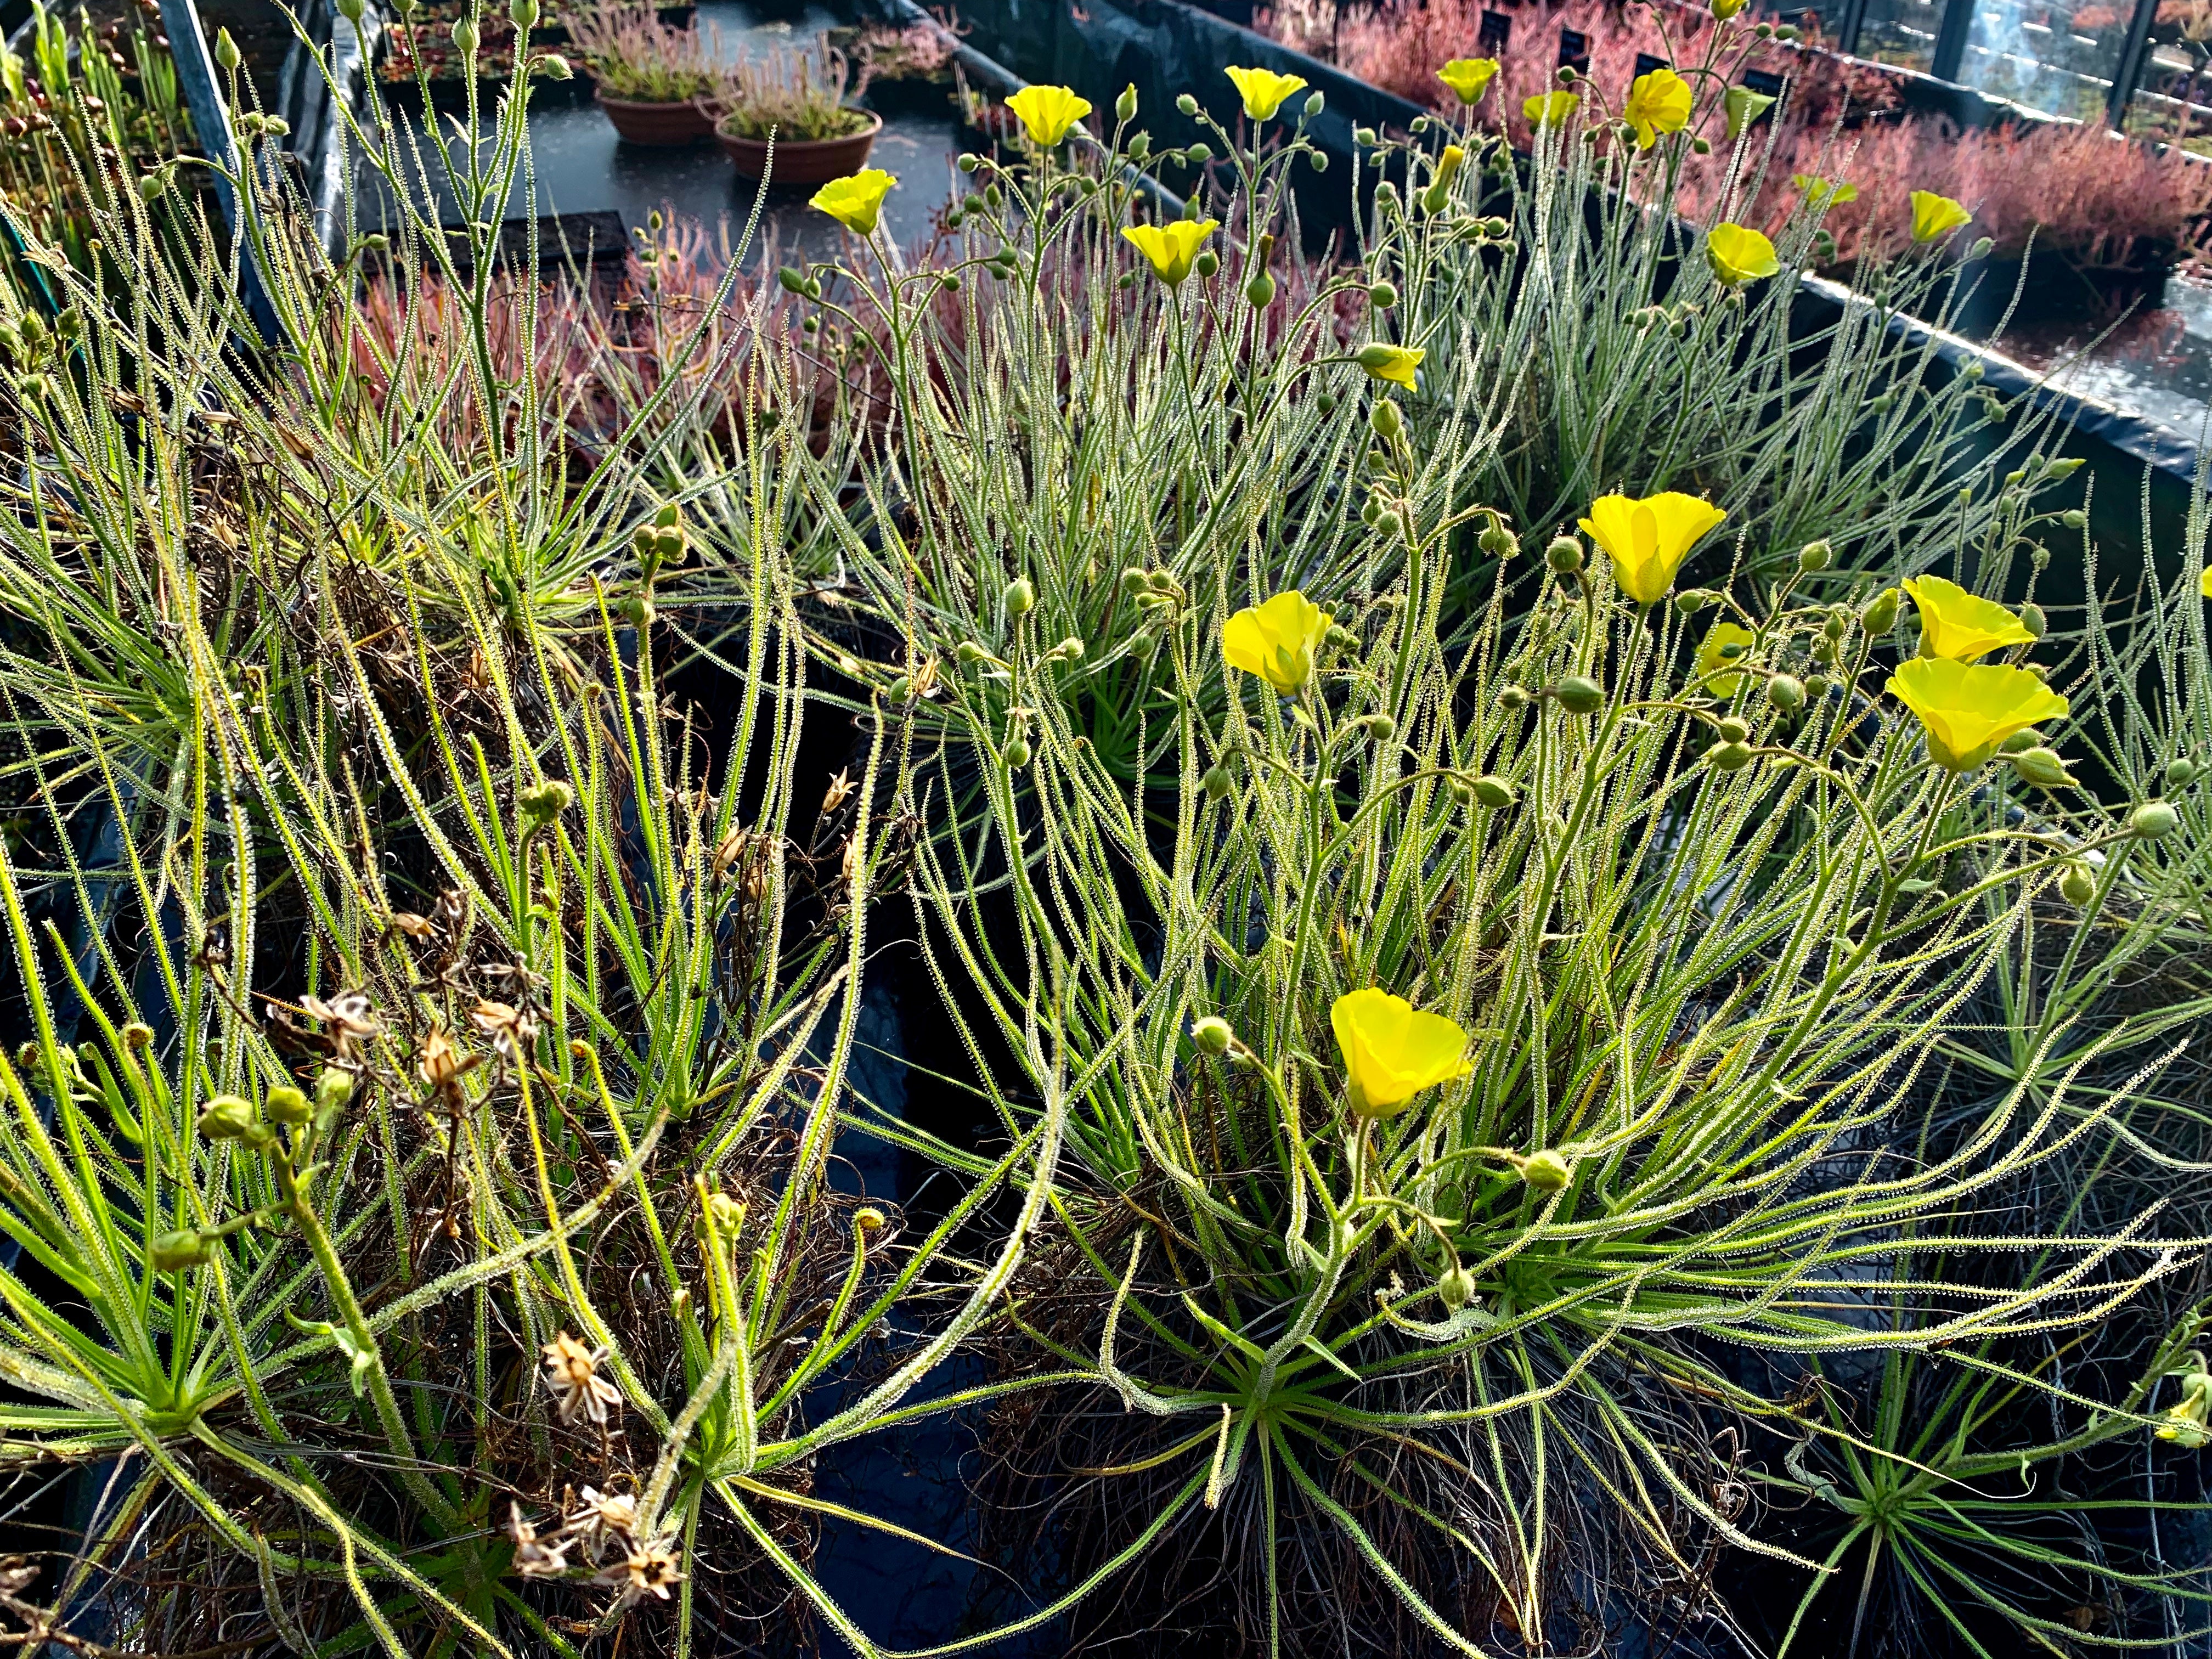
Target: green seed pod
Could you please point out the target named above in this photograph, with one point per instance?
(1125, 106)
(2056, 471)
(967, 653)
(1578, 694)
(899, 691)
(1512, 697)
(227, 1117)
(1019, 597)
(1186, 104)
(1546, 1171)
(1210, 1035)
(1388, 525)
(1339, 637)
(1460, 791)
(1786, 692)
(1216, 782)
(1701, 146)
(1383, 416)
(177, 1252)
(287, 1105)
(1200, 153)
(1018, 753)
(2074, 518)
(2026, 737)
(968, 160)
(1317, 159)
(1564, 557)
(1815, 556)
(2180, 773)
(1496, 541)
(2033, 619)
(1364, 137)
(2044, 767)
(1880, 613)
(1729, 757)
(1069, 649)
(1381, 727)
(1492, 791)
(1260, 292)
(1733, 729)
(1383, 295)
(2152, 819)
(2077, 886)
(1136, 579)
(1455, 1288)
(1140, 147)
(791, 281)
(1816, 687)
(542, 803)
(1690, 601)
(333, 1090)
(1206, 263)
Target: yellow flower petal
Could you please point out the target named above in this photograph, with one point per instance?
(1739, 254)
(1967, 709)
(1172, 247)
(1935, 216)
(1658, 102)
(1711, 660)
(1823, 192)
(1392, 1050)
(1468, 77)
(1277, 640)
(1960, 625)
(1395, 364)
(1047, 112)
(1647, 540)
(1263, 90)
(1549, 109)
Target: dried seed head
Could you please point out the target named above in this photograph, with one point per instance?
(572, 1371)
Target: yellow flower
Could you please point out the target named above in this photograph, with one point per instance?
(855, 200)
(1047, 112)
(1968, 709)
(1395, 364)
(1263, 90)
(1960, 625)
(1738, 253)
(1934, 216)
(1468, 77)
(1276, 640)
(1172, 246)
(2204, 582)
(1711, 659)
(2190, 1422)
(1658, 102)
(1823, 192)
(1549, 109)
(1647, 540)
(1393, 1050)
(1725, 10)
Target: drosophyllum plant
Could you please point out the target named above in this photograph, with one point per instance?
(1483, 1055)
(1623, 348)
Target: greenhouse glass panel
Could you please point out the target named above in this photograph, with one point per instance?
(2057, 56)
(2174, 102)
(1901, 32)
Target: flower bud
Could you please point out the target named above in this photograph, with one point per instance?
(465, 36)
(1496, 541)
(791, 281)
(523, 14)
(1018, 753)
(1455, 1288)
(1546, 1171)
(1210, 1034)
(1880, 613)
(1701, 146)
(2045, 767)
(227, 1117)
(2180, 773)
(2152, 819)
(968, 160)
(1690, 601)
(554, 67)
(352, 10)
(1384, 418)
(1216, 782)
(2074, 518)
(137, 1035)
(1578, 694)
(1388, 525)
(1364, 137)
(1019, 597)
(1564, 555)
(1460, 791)
(542, 803)
(333, 1089)
(1206, 263)
(1815, 556)
(285, 1104)
(1381, 727)
(1512, 697)
(1491, 790)
(173, 1253)
(1729, 757)
(1136, 579)
(226, 51)
(1785, 691)
(1315, 104)
(2076, 884)
(1260, 292)
(1186, 104)
(2033, 619)
(967, 653)
(1383, 295)
(1733, 729)
(899, 691)
(1125, 106)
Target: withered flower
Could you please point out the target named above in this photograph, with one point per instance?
(647, 1570)
(511, 1030)
(840, 790)
(572, 1371)
(603, 1517)
(441, 1062)
(350, 1017)
(535, 1558)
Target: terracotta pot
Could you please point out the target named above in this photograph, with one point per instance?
(656, 123)
(812, 163)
